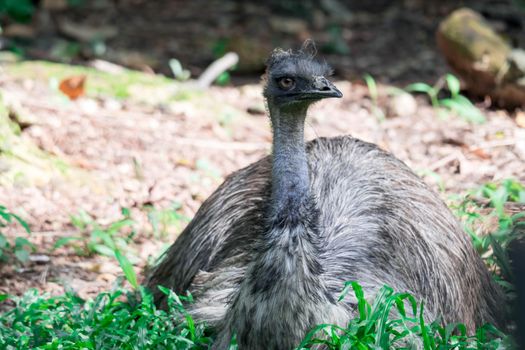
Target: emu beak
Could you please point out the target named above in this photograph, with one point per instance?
(322, 88)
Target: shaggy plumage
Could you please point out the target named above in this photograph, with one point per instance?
(517, 257)
(267, 254)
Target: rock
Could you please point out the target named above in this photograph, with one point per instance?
(288, 25)
(40, 259)
(8, 57)
(86, 33)
(402, 105)
(486, 62)
(17, 30)
(4, 166)
(55, 5)
(132, 59)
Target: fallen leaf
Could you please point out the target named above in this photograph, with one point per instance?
(185, 162)
(73, 87)
(480, 153)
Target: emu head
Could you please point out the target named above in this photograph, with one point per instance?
(294, 79)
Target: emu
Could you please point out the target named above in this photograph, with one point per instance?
(267, 254)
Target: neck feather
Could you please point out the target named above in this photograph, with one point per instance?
(290, 178)
(289, 253)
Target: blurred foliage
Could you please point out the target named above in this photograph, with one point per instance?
(493, 247)
(337, 44)
(456, 103)
(104, 240)
(108, 240)
(19, 247)
(162, 220)
(18, 10)
(374, 95)
(179, 73)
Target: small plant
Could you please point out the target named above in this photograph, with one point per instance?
(434, 176)
(179, 73)
(492, 247)
(456, 103)
(101, 240)
(220, 47)
(223, 79)
(337, 44)
(20, 248)
(498, 194)
(162, 220)
(109, 241)
(209, 169)
(374, 96)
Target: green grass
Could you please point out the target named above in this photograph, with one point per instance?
(121, 319)
(492, 247)
(118, 319)
(375, 328)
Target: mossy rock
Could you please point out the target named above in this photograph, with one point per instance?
(21, 162)
(483, 59)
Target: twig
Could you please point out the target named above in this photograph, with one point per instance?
(445, 160)
(217, 68)
(493, 144)
(43, 276)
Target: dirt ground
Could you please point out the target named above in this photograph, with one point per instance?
(153, 150)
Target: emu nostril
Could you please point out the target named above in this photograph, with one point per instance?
(326, 88)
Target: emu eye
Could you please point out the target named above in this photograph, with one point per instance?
(286, 83)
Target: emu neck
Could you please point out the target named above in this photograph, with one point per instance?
(284, 286)
(290, 179)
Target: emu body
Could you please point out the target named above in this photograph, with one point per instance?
(266, 256)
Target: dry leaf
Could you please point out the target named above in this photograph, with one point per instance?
(185, 162)
(73, 87)
(480, 153)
